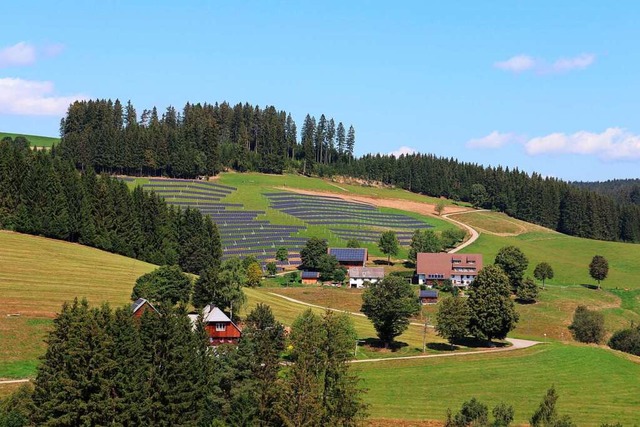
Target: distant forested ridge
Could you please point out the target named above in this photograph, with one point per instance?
(623, 190)
(199, 140)
(44, 195)
(549, 202)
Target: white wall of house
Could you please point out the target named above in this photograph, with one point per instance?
(359, 283)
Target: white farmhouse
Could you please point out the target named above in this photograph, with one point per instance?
(359, 275)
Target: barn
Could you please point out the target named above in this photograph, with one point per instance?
(219, 327)
(141, 305)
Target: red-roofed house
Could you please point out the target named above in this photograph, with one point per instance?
(461, 269)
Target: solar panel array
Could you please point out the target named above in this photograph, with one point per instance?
(346, 219)
(349, 254)
(241, 233)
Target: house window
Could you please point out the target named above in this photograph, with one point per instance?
(220, 327)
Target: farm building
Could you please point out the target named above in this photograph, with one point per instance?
(350, 257)
(359, 275)
(139, 306)
(310, 277)
(461, 269)
(219, 327)
(428, 296)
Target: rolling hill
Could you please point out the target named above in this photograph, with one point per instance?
(34, 140)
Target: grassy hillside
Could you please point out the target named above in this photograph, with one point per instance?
(594, 385)
(36, 276)
(34, 140)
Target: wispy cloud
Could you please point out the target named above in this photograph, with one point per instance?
(19, 54)
(611, 144)
(403, 150)
(32, 98)
(494, 140)
(521, 63)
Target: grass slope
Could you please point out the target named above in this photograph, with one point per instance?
(594, 385)
(34, 140)
(36, 276)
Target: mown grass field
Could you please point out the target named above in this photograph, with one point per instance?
(37, 275)
(595, 385)
(34, 140)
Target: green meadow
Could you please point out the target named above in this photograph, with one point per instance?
(34, 140)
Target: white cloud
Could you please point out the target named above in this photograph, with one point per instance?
(521, 63)
(19, 54)
(517, 63)
(579, 62)
(494, 140)
(34, 98)
(403, 150)
(612, 144)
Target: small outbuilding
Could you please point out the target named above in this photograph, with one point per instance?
(358, 276)
(310, 277)
(428, 296)
(139, 306)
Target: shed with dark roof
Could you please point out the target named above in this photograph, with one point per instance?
(428, 296)
(310, 277)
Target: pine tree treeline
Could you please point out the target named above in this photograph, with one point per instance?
(623, 190)
(105, 367)
(548, 202)
(42, 195)
(200, 140)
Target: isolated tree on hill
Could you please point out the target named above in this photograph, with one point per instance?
(439, 207)
(587, 325)
(599, 268)
(165, 284)
(282, 254)
(514, 263)
(272, 268)
(452, 319)
(311, 253)
(389, 304)
(493, 314)
(353, 243)
(423, 241)
(254, 275)
(472, 413)
(543, 271)
(389, 244)
(527, 291)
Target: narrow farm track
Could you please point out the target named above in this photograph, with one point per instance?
(24, 380)
(473, 231)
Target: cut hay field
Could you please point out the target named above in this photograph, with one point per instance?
(34, 140)
(595, 385)
(36, 276)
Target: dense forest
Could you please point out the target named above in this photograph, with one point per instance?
(200, 140)
(549, 202)
(105, 367)
(203, 139)
(623, 190)
(43, 195)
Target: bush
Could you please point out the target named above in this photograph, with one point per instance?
(587, 325)
(527, 291)
(627, 340)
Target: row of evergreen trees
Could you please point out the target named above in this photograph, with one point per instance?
(200, 140)
(43, 195)
(109, 368)
(623, 190)
(546, 201)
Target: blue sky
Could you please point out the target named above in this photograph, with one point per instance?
(545, 86)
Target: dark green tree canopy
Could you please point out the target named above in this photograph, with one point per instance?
(452, 319)
(493, 314)
(543, 271)
(389, 244)
(312, 253)
(389, 304)
(514, 263)
(165, 284)
(587, 325)
(424, 241)
(527, 291)
(599, 268)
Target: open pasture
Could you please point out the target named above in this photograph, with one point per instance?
(595, 385)
(34, 140)
(37, 275)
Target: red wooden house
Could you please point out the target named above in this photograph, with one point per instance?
(139, 306)
(220, 328)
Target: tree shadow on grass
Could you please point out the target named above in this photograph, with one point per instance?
(590, 286)
(382, 262)
(442, 346)
(377, 345)
(472, 342)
